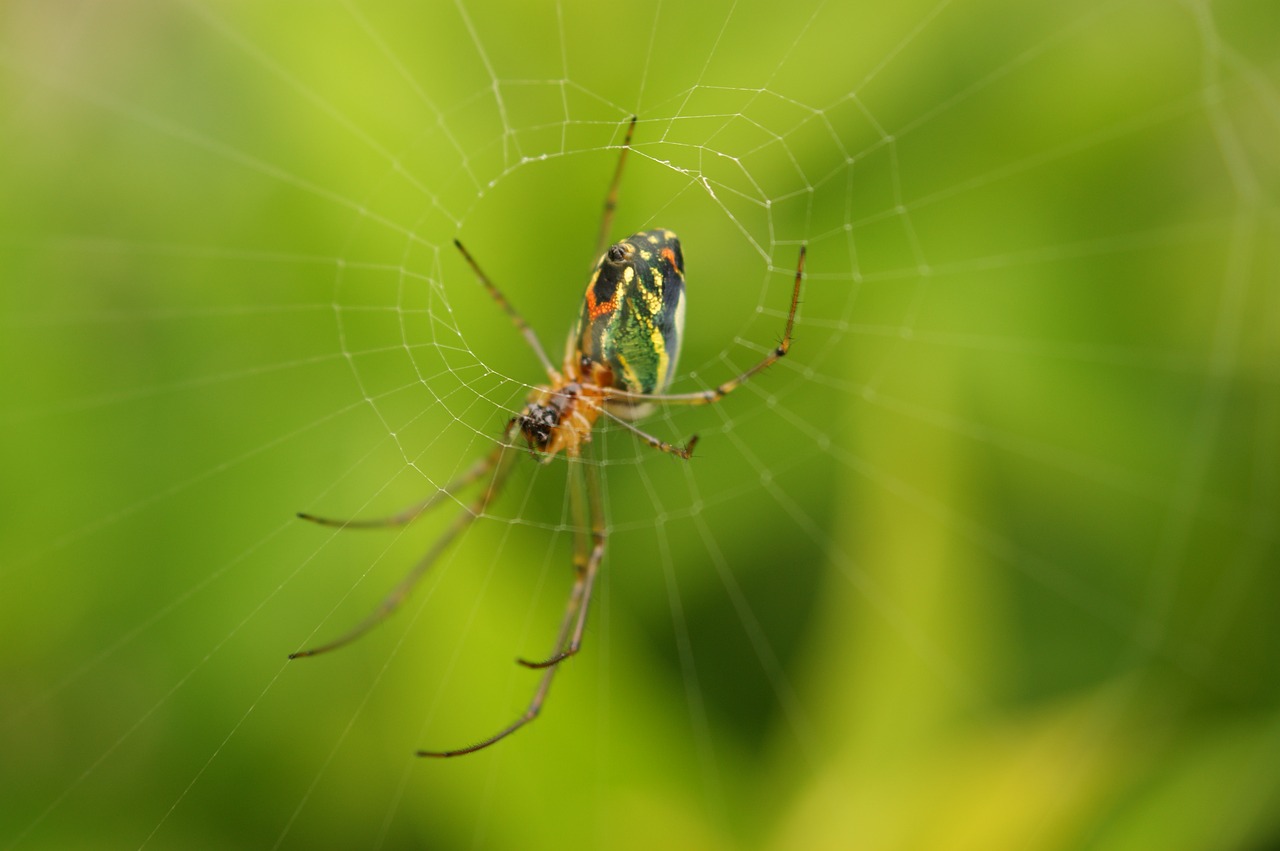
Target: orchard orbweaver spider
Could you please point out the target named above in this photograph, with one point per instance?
(619, 359)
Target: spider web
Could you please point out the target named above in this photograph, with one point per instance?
(990, 543)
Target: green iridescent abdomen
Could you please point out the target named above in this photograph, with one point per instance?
(633, 314)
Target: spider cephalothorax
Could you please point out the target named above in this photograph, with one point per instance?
(619, 359)
(555, 418)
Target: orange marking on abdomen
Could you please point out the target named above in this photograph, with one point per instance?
(595, 309)
(670, 257)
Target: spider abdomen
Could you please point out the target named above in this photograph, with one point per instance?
(633, 315)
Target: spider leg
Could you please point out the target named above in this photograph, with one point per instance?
(530, 337)
(715, 394)
(413, 512)
(611, 199)
(684, 452)
(588, 550)
(588, 553)
(502, 466)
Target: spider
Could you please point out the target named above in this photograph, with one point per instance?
(619, 359)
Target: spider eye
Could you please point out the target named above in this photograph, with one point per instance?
(617, 252)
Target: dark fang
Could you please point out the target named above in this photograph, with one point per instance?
(537, 422)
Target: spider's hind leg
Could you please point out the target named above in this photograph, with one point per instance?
(611, 198)
(519, 321)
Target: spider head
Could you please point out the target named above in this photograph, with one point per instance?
(548, 422)
(538, 424)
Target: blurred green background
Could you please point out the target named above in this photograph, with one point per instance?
(989, 562)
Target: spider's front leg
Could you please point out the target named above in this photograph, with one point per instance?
(589, 547)
(499, 462)
(588, 551)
